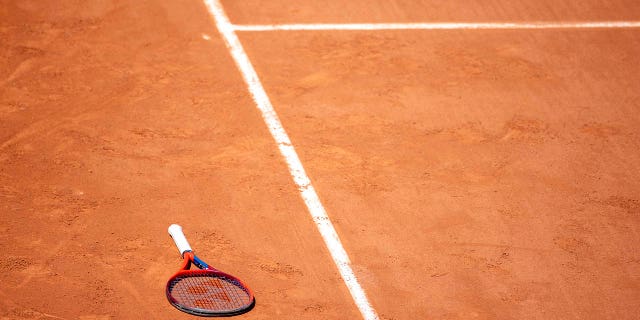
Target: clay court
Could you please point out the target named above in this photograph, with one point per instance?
(478, 160)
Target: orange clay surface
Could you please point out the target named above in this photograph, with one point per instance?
(487, 174)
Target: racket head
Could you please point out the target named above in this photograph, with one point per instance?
(209, 293)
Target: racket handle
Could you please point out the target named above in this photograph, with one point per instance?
(178, 237)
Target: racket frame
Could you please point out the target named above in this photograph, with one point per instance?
(190, 258)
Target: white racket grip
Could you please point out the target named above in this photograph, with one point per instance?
(178, 237)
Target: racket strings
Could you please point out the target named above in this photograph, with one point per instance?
(212, 292)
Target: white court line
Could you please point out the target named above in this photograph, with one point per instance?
(308, 193)
(437, 26)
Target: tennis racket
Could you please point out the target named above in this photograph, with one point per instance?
(206, 292)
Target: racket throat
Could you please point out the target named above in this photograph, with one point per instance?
(189, 258)
(199, 263)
